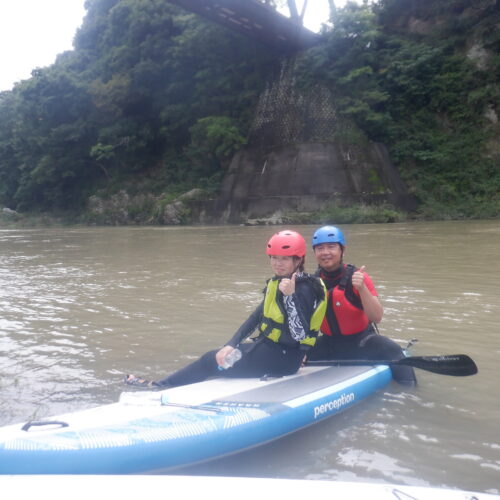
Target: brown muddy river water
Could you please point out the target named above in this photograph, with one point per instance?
(81, 307)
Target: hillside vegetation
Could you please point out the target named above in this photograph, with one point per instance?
(153, 102)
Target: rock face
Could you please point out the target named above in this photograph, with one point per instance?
(306, 177)
(300, 157)
(144, 208)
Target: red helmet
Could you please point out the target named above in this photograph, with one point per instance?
(287, 243)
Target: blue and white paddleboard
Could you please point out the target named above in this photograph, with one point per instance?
(151, 431)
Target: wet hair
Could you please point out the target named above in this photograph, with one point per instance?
(302, 263)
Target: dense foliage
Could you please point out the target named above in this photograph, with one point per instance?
(400, 72)
(143, 79)
(153, 99)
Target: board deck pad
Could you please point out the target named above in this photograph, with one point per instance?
(282, 390)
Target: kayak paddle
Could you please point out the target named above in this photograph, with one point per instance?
(458, 365)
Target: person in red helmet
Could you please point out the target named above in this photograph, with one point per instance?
(287, 321)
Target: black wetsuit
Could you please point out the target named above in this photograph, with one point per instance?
(261, 356)
(367, 344)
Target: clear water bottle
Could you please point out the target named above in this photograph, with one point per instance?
(230, 359)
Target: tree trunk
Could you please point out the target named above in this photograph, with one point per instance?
(294, 13)
(304, 7)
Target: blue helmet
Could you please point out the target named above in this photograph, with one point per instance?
(328, 234)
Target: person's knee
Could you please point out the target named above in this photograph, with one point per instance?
(404, 375)
(384, 348)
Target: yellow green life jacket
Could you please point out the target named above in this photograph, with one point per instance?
(273, 318)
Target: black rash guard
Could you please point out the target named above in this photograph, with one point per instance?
(264, 356)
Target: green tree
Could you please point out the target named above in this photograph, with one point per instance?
(418, 94)
(214, 141)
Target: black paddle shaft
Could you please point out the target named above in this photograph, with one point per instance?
(458, 365)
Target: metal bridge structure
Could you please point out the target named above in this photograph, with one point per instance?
(256, 20)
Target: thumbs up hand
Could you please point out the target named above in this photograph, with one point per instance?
(358, 278)
(287, 286)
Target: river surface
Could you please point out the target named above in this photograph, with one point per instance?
(81, 307)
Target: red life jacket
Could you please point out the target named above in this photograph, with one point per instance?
(345, 315)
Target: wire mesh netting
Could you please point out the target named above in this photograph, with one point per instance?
(287, 115)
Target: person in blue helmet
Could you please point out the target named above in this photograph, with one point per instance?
(348, 329)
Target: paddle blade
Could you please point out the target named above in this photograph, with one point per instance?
(458, 365)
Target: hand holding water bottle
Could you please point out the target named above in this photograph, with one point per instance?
(227, 356)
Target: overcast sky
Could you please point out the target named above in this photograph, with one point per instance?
(33, 32)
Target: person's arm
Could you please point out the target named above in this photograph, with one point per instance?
(299, 302)
(371, 305)
(247, 327)
(243, 332)
(295, 318)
